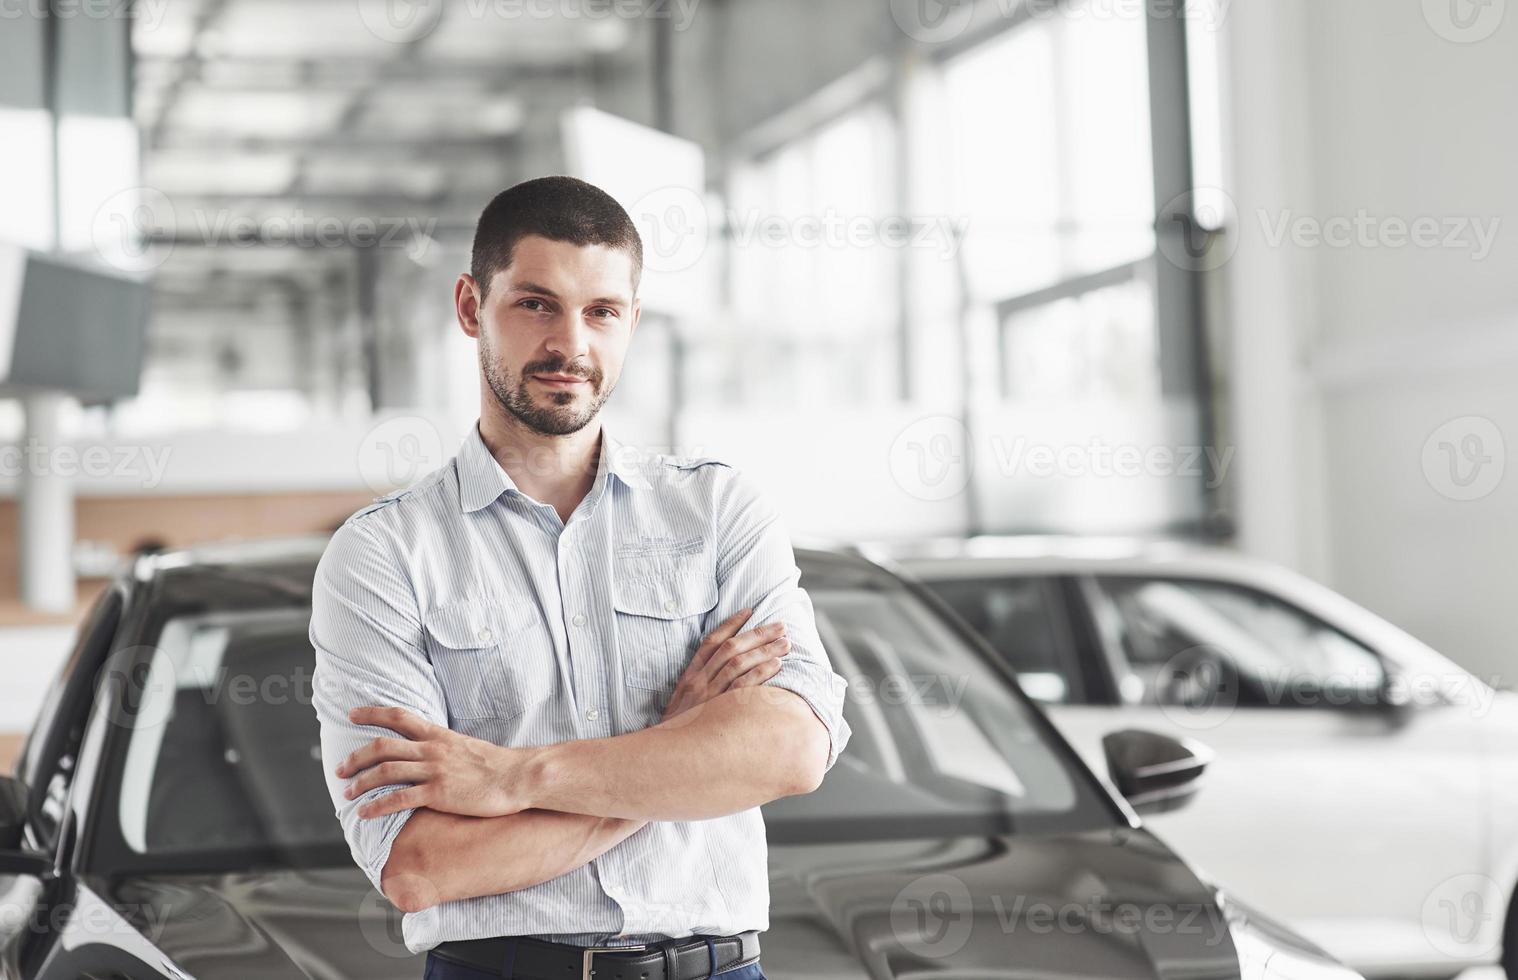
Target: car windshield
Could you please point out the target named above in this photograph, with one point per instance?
(223, 757)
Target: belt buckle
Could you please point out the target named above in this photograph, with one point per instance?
(590, 952)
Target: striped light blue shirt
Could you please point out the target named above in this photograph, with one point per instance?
(473, 605)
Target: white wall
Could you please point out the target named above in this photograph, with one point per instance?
(1348, 359)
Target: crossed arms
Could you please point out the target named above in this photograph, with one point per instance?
(432, 815)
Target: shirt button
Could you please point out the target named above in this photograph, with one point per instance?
(579, 619)
(485, 635)
(592, 714)
(669, 605)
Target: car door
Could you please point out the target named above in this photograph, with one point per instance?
(1356, 821)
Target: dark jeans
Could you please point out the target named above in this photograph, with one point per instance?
(441, 969)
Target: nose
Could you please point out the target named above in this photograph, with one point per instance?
(569, 337)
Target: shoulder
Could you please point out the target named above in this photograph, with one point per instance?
(399, 506)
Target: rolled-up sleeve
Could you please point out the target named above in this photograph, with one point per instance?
(756, 567)
(366, 628)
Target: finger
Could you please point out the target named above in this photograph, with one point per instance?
(744, 662)
(740, 645)
(401, 799)
(398, 720)
(377, 751)
(387, 774)
(755, 676)
(725, 630)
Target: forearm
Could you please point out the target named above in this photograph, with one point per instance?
(442, 857)
(739, 750)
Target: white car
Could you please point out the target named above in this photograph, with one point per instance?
(1365, 788)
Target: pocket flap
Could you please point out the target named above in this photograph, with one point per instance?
(478, 623)
(674, 597)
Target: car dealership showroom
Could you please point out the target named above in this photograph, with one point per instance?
(819, 489)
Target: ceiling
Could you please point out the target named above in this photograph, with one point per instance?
(320, 121)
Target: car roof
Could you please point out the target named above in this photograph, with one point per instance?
(249, 571)
(1061, 554)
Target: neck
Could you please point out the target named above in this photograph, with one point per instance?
(555, 470)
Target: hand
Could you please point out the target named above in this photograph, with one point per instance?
(726, 660)
(448, 772)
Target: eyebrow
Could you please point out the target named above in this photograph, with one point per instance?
(532, 287)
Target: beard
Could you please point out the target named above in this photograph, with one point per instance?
(561, 417)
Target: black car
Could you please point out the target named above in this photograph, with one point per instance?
(169, 816)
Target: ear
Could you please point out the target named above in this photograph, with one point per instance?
(637, 315)
(467, 303)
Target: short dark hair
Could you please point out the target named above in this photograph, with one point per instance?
(564, 209)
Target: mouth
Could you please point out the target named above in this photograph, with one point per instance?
(560, 382)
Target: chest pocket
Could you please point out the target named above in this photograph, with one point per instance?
(659, 619)
(492, 657)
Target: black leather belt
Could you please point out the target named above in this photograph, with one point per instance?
(686, 958)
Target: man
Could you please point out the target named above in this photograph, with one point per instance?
(557, 678)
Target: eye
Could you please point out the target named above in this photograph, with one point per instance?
(604, 311)
(533, 304)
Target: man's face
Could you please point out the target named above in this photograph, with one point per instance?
(553, 331)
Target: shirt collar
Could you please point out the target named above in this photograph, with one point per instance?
(482, 480)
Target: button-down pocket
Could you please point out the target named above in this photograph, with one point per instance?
(492, 657)
(659, 620)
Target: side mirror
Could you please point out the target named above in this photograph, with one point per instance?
(1154, 772)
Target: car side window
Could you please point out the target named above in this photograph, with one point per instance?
(1192, 642)
(1022, 618)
